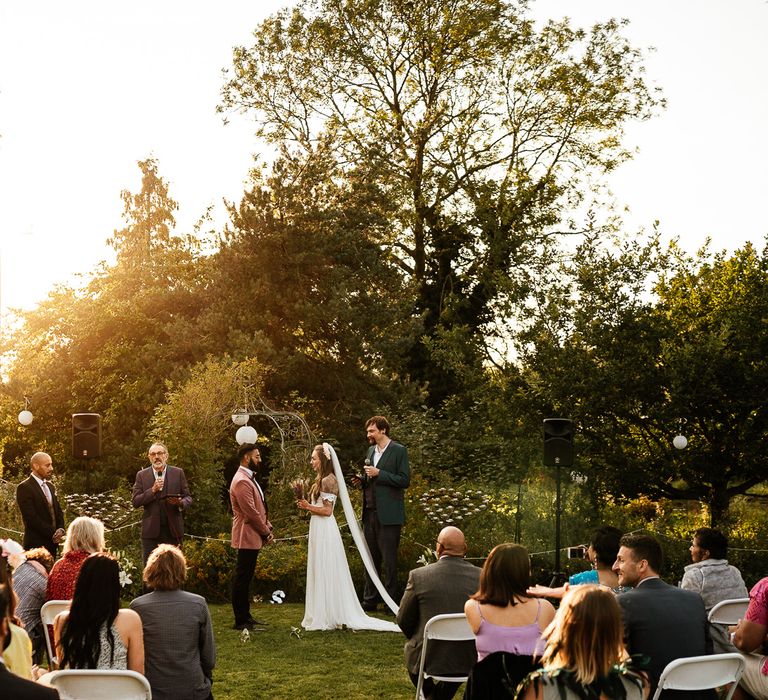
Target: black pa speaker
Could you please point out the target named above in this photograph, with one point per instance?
(86, 435)
(558, 442)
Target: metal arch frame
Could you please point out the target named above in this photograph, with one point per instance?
(291, 426)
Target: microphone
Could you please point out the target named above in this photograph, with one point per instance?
(364, 477)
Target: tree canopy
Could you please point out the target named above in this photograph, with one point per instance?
(479, 128)
(641, 344)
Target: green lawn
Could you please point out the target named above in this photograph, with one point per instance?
(277, 664)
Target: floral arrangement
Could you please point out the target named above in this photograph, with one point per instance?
(298, 486)
(127, 568)
(447, 506)
(112, 508)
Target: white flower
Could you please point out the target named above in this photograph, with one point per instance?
(125, 579)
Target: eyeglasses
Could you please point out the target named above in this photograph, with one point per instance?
(156, 454)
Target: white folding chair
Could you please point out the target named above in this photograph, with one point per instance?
(701, 673)
(728, 612)
(452, 627)
(98, 685)
(48, 614)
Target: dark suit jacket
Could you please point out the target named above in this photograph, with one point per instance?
(393, 479)
(442, 587)
(175, 483)
(12, 686)
(664, 623)
(38, 525)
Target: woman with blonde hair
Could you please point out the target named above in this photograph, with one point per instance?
(85, 536)
(585, 657)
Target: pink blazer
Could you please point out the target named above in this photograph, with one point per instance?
(249, 517)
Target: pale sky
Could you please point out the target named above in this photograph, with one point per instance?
(89, 88)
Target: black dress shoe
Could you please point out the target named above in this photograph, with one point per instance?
(370, 607)
(261, 623)
(243, 626)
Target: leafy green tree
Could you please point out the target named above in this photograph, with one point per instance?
(638, 344)
(300, 283)
(475, 125)
(111, 346)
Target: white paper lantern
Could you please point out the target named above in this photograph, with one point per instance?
(25, 417)
(680, 442)
(240, 418)
(246, 435)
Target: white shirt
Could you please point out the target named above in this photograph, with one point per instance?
(250, 474)
(377, 452)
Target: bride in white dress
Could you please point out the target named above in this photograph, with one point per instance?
(331, 600)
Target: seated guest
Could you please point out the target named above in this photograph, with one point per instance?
(178, 637)
(713, 579)
(17, 655)
(442, 587)
(84, 536)
(601, 552)
(661, 621)
(577, 662)
(12, 686)
(750, 637)
(505, 619)
(95, 633)
(29, 581)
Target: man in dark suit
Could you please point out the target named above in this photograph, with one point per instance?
(387, 475)
(40, 509)
(163, 493)
(442, 587)
(660, 621)
(11, 685)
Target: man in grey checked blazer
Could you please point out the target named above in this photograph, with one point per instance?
(442, 587)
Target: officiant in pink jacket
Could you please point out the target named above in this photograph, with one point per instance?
(251, 530)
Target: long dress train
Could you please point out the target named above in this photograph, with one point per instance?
(331, 600)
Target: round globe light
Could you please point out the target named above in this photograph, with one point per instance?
(25, 417)
(246, 435)
(240, 418)
(680, 442)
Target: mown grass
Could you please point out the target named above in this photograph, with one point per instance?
(276, 664)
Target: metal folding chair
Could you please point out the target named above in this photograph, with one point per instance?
(48, 614)
(728, 612)
(701, 673)
(97, 685)
(452, 627)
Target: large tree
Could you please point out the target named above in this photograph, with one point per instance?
(111, 346)
(478, 127)
(299, 282)
(640, 343)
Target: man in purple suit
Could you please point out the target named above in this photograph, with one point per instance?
(162, 491)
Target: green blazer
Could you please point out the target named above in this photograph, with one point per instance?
(394, 477)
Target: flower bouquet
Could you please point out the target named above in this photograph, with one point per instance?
(298, 487)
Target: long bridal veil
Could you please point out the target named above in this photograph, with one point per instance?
(357, 534)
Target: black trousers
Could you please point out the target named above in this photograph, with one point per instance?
(383, 541)
(150, 543)
(435, 690)
(241, 584)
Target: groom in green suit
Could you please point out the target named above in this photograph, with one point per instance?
(386, 477)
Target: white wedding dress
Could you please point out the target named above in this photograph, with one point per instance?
(331, 600)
